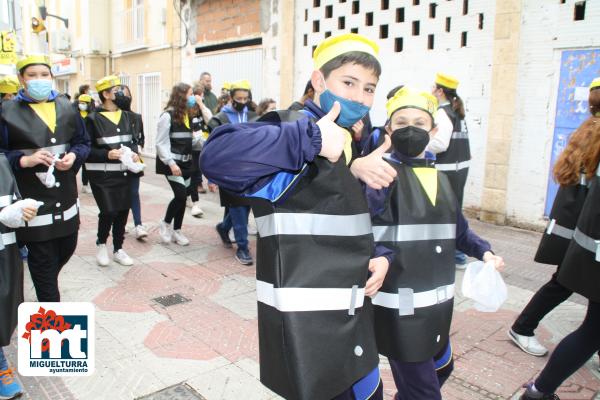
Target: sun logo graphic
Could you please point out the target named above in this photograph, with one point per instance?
(56, 339)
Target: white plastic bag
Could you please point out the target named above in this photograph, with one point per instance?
(12, 215)
(484, 284)
(48, 178)
(126, 159)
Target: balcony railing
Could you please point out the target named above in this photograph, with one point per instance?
(129, 28)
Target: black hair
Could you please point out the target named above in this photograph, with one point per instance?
(308, 88)
(392, 92)
(456, 102)
(83, 89)
(353, 57)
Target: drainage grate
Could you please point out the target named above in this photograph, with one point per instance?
(181, 391)
(171, 300)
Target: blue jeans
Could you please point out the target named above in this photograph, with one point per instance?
(237, 218)
(3, 361)
(136, 208)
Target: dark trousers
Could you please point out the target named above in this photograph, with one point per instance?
(84, 178)
(543, 301)
(415, 380)
(196, 176)
(572, 352)
(136, 208)
(45, 261)
(176, 208)
(349, 394)
(116, 221)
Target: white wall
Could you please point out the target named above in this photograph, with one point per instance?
(547, 27)
(416, 65)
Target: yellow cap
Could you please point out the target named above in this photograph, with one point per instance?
(410, 98)
(9, 84)
(335, 46)
(447, 81)
(244, 84)
(107, 82)
(226, 85)
(33, 59)
(595, 84)
(86, 98)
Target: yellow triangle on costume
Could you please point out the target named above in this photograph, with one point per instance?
(113, 116)
(47, 113)
(429, 182)
(348, 148)
(83, 114)
(186, 121)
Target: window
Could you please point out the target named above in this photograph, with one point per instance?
(480, 25)
(342, 23)
(432, 9)
(383, 32)
(465, 7)
(430, 43)
(313, 49)
(354, 30)
(306, 14)
(385, 4)
(328, 11)
(416, 28)
(448, 22)
(400, 14)
(398, 45)
(369, 19)
(316, 26)
(579, 11)
(316, 3)
(416, 2)
(327, 34)
(355, 7)
(463, 39)
(305, 40)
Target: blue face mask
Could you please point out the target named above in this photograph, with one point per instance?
(191, 101)
(351, 113)
(39, 89)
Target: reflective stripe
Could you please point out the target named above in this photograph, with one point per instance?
(454, 166)
(583, 180)
(6, 200)
(180, 135)
(181, 157)
(408, 233)
(588, 243)
(406, 304)
(105, 167)
(49, 219)
(460, 135)
(57, 149)
(6, 239)
(114, 139)
(309, 299)
(180, 180)
(558, 230)
(313, 224)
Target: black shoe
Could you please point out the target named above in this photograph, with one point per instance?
(224, 236)
(243, 256)
(531, 394)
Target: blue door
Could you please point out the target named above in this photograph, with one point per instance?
(577, 70)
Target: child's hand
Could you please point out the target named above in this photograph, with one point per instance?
(29, 213)
(378, 267)
(333, 137)
(373, 169)
(498, 261)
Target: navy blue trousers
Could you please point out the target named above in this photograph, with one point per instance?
(415, 380)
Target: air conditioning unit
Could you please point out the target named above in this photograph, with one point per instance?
(61, 40)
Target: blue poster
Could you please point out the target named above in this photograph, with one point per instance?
(577, 70)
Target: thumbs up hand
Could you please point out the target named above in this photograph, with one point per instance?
(373, 169)
(333, 137)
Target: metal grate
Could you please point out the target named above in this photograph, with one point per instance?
(171, 300)
(181, 391)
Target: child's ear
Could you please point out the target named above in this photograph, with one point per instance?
(317, 81)
(388, 129)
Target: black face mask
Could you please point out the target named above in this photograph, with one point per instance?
(410, 140)
(239, 107)
(122, 101)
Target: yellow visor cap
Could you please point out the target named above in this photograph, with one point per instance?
(226, 85)
(33, 59)
(9, 84)
(410, 98)
(335, 46)
(446, 81)
(107, 82)
(244, 84)
(595, 83)
(86, 98)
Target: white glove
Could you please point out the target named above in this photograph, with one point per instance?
(12, 215)
(48, 178)
(126, 159)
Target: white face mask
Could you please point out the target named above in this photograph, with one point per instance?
(83, 107)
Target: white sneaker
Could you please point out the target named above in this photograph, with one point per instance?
(252, 230)
(140, 232)
(179, 238)
(102, 255)
(189, 203)
(165, 231)
(197, 211)
(529, 344)
(122, 258)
